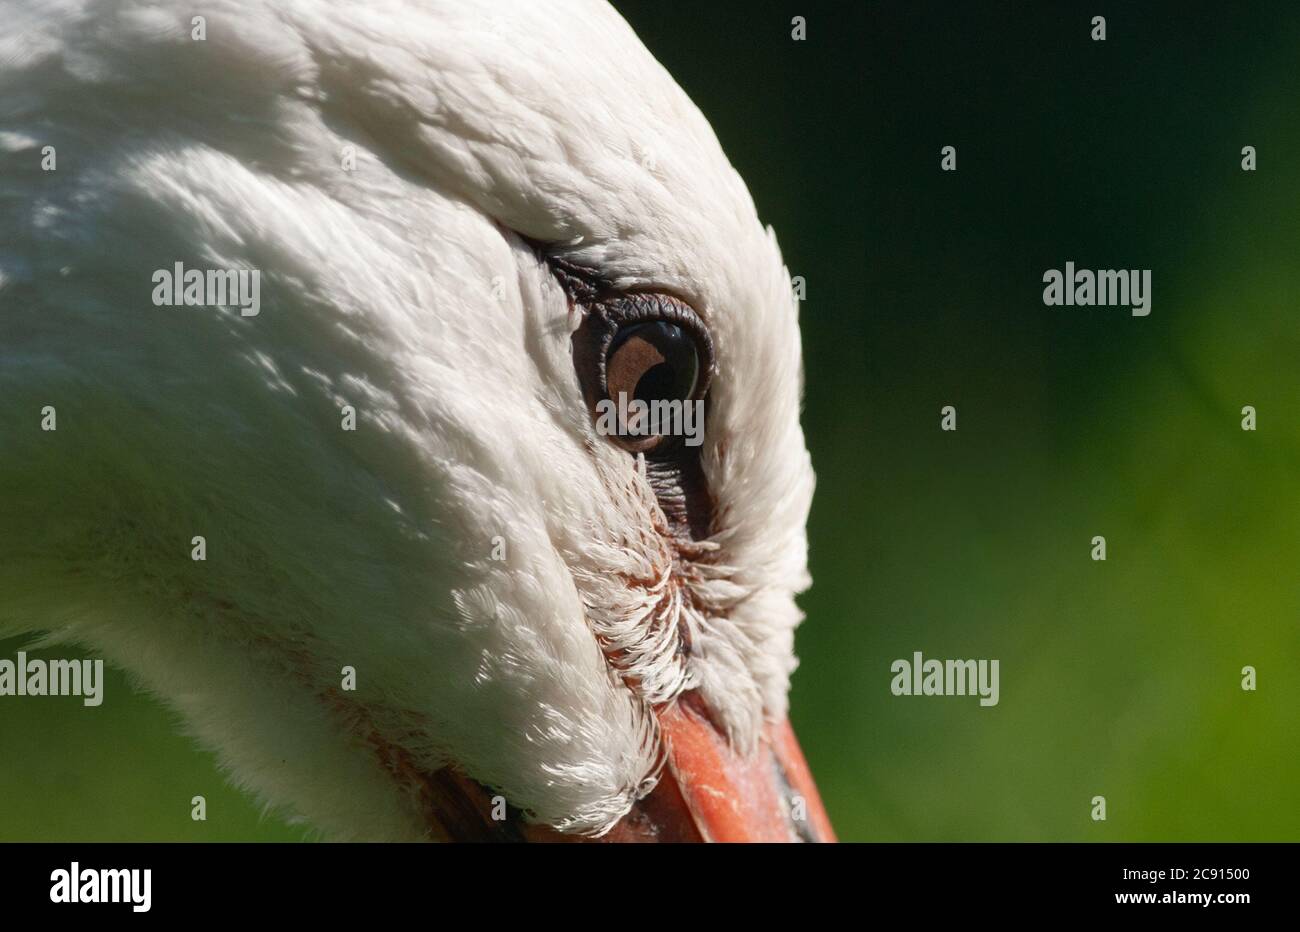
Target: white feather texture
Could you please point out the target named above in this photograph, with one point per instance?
(406, 289)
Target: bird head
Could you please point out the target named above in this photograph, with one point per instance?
(484, 229)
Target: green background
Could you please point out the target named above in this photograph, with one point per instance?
(1119, 678)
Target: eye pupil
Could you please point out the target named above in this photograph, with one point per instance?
(659, 382)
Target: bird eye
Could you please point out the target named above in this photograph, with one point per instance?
(652, 362)
(644, 361)
(657, 364)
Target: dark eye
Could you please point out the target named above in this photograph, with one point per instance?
(644, 361)
(652, 362)
(657, 364)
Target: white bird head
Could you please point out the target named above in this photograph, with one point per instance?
(473, 222)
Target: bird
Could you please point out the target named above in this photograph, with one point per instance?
(354, 517)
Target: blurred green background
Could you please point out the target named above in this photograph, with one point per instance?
(1119, 678)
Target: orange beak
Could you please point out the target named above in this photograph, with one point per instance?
(708, 792)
